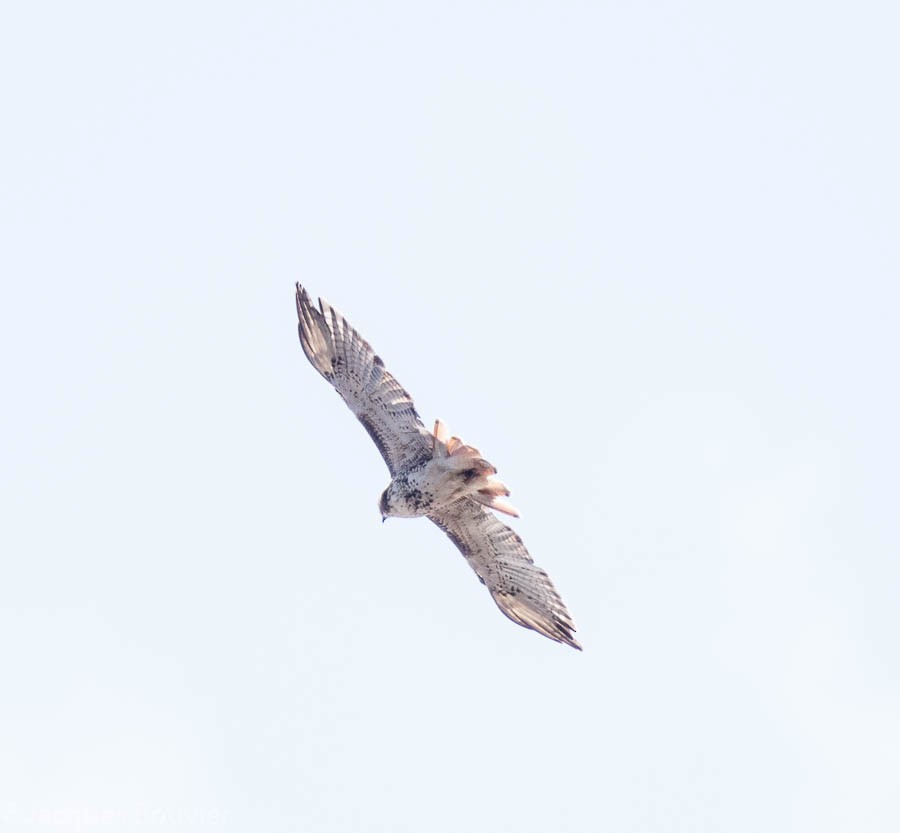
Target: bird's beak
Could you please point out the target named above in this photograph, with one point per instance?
(383, 518)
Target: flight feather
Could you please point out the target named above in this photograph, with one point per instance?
(378, 400)
(497, 554)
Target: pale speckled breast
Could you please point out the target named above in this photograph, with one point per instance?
(417, 492)
(411, 493)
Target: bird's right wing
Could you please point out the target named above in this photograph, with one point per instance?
(521, 590)
(379, 401)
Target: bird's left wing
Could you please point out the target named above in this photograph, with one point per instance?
(521, 590)
(349, 363)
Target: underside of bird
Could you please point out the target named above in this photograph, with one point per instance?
(476, 473)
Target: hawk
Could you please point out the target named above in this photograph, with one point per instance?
(433, 474)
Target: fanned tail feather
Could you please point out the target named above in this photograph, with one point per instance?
(493, 499)
(440, 439)
(464, 457)
(467, 460)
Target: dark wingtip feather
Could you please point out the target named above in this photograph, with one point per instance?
(568, 639)
(562, 632)
(315, 337)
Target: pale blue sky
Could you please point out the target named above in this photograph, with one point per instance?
(643, 255)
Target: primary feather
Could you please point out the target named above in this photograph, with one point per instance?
(349, 363)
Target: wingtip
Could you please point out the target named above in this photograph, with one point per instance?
(561, 633)
(565, 633)
(302, 299)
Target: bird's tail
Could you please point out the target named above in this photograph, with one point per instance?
(474, 469)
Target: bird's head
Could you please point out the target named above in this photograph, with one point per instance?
(384, 504)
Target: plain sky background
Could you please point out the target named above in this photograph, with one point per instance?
(644, 255)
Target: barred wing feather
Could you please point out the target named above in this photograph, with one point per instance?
(349, 363)
(521, 590)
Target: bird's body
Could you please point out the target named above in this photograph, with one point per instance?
(454, 471)
(433, 475)
(423, 489)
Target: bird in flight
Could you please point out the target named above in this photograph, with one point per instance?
(433, 474)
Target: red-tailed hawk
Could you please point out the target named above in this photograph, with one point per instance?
(433, 474)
